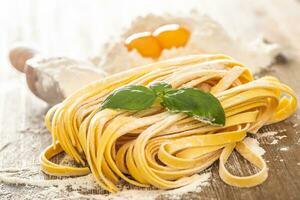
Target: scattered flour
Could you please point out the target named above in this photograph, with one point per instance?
(86, 182)
(202, 180)
(281, 137)
(281, 130)
(196, 186)
(271, 137)
(267, 134)
(72, 188)
(284, 149)
(254, 145)
(275, 141)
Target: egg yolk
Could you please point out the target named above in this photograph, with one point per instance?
(145, 43)
(171, 35)
(164, 37)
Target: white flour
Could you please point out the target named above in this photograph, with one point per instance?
(71, 188)
(275, 141)
(267, 134)
(270, 137)
(10, 177)
(254, 145)
(196, 186)
(281, 137)
(284, 149)
(69, 74)
(207, 36)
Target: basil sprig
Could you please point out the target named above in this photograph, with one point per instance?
(130, 97)
(160, 88)
(200, 105)
(195, 103)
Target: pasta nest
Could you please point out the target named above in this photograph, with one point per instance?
(159, 148)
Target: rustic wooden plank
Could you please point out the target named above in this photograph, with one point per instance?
(23, 135)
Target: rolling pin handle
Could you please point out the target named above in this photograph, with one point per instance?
(19, 55)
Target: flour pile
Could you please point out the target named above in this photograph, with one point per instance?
(207, 36)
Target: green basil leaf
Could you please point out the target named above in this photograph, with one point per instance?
(160, 87)
(131, 97)
(196, 103)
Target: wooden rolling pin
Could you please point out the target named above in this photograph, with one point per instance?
(52, 79)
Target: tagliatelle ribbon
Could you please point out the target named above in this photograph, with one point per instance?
(59, 170)
(159, 148)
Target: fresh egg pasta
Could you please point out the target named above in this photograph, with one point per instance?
(159, 147)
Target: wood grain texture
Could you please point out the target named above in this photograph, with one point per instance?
(23, 135)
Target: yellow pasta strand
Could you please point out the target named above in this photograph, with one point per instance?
(159, 148)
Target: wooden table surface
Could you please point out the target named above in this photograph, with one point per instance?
(23, 135)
